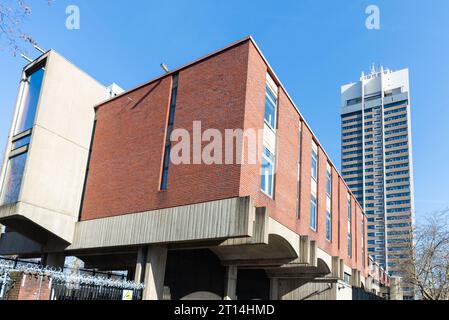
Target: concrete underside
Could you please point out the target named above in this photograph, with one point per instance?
(225, 249)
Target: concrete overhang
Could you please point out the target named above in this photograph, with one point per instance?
(38, 224)
(209, 221)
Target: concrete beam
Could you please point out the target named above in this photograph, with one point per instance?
(230, 218)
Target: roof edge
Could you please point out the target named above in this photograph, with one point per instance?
(185, 66)
(273, 74)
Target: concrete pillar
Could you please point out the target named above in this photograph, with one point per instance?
(56, 260)
(304, 249)
(140, 265)
(313, 255)
(342, 269)
(356, 281)
(274, 289)
(396, 292)
(231, 283)
(336, 267)
(156, 259)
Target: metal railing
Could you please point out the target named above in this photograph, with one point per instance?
(69, 283)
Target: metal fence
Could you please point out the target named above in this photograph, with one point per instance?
(361, 294)
(72, 284)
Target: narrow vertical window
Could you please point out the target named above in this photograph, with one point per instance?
(314, 164)
(267, 175)
(328, 202)
(13, 179)
(349, 227)
(313, 212)
(171, 121)
(298, 186)
(328, 226)
(26, 115)
(349, 209)
(329, 183)
(270, 107)
(30, 100)
(349, 245)
(314, 187)
(363, 242)
(269, 142)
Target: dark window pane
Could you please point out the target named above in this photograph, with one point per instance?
(21, 142)
(13, 179)
(30, 100)
(164, 179)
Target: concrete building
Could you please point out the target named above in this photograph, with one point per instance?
(98, 184)
(378, 281)
(377, 162)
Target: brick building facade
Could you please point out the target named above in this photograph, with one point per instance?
(291, 229)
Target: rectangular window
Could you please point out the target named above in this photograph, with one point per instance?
(13, 179)
(166, 166)
(349, 245)
(270, 107)
(328, 226)
(363, 243)
(347, 278)
(30, 100)
(298, 186)
(349, 227)
(313, 212)
(170, 123)
(329, 182)
(267, 175)
(314, 163)
(349, 208)
(19, 143)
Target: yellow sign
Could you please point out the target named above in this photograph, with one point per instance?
(127, 295)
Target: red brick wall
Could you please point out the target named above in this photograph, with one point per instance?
(283, 207)
(335, 212)
(127, 153)
(225, 91)
(29, 287)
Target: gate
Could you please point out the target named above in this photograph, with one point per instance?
(62, 291)
(361, 294)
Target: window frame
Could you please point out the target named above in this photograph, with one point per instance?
(269, 99)
(315, 212)
(271, 161)
(314, 170)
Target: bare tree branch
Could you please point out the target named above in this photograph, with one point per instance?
(13, 13)
(428, 266)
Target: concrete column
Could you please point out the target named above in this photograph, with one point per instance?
(313, 255)
(304, 249)
(356, 281)
(156, 260)
(231, 283)
(56, 260)
(396, 292)
(342, 269)
(140, 265)
(274, 289)
(336, 267)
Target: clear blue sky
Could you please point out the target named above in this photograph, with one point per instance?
(314, 46)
